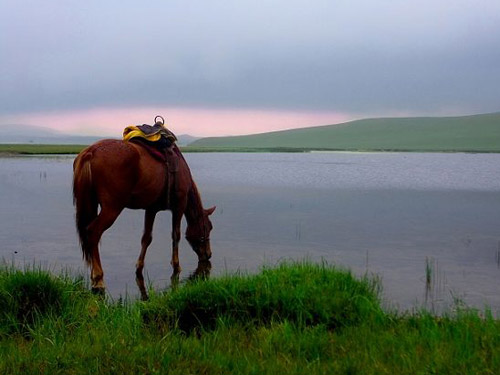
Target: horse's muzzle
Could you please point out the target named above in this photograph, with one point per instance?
(207, 254)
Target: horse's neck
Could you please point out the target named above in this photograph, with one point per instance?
(194, 209)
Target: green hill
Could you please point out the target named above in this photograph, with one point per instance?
(478, 133)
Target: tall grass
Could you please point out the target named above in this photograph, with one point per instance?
(294, 318)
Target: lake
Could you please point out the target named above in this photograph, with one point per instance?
(394, 215)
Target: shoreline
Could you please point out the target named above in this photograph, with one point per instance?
(12, 150)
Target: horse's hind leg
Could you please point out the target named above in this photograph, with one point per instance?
(146, 239)
(176, 237)
(104, 220)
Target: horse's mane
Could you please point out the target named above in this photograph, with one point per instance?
(194, 204)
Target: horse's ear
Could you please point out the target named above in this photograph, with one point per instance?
(210, 210)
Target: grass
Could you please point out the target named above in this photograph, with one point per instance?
(39, 149)
(53, 149)
(293, 318)
(21, 149)
(304, 295)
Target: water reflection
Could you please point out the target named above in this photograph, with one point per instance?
(139, 279)
(435, 284)
(498, 255)
(202, 272)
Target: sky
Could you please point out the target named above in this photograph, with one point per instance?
(238, 67)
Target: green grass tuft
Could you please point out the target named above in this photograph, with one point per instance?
(28, 297)
(303, 293)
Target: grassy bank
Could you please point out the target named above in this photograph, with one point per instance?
(295, 318)
(45, 149)
(53, 149)
(21, 149)
(35, 149)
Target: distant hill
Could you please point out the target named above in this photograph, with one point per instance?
(478, 133)
(186, 139)
(29, 134)
(25, 134)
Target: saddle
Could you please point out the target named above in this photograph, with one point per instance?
(160, 143)
(156, 139)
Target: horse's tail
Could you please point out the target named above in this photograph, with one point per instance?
(84, 199)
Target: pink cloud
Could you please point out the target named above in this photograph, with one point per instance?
(199, 122)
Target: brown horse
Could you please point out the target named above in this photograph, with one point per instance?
(114, 175)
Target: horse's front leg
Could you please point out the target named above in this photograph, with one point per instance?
(147, 238)
(176, 237)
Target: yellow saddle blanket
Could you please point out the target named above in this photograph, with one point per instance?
(151, 133)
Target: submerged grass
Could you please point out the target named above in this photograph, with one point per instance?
(294, 318)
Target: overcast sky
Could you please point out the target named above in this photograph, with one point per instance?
(231, 67)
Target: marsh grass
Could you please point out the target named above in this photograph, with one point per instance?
(294, 318)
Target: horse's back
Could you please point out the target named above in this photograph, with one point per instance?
(110, 158)
(124, 174)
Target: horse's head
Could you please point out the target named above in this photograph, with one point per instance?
(198, 235)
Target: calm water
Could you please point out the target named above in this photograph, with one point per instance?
(390, 214)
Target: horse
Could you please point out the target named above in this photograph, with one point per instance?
(115, 174)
